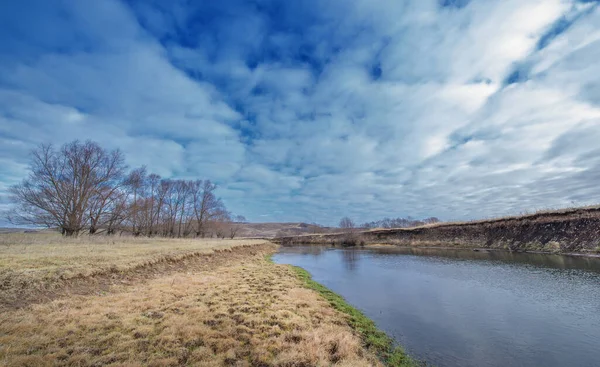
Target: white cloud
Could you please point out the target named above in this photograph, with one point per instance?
(366, 108)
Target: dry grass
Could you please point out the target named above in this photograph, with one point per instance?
(557, 213)
(244, 312)
(32, 264)
(543, 215)
(50, 253)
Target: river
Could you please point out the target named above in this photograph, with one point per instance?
(467, 308)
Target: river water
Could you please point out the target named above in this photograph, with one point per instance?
(466, 308)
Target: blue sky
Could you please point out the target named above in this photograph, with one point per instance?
(311, 110)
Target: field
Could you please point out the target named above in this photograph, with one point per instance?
(161, 302)
(271, 230)
(38, 265)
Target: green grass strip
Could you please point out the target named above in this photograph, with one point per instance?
(375, 340)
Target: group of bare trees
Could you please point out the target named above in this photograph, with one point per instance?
(399, 222)
(347, 224)
(82, 187)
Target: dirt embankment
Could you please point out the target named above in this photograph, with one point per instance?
(20, 291)
(570, 231)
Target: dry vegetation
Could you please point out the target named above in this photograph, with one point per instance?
(573, 231)
(44, 254)
(541, 214)
(271, 230)
(37, 267)
(230, 308)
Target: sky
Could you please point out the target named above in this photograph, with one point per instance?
(311, 110)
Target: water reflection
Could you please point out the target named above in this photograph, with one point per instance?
(350, 259)
(468, 308)
(541, 260)
(306, 250)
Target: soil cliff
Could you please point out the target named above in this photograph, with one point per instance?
(566, 231)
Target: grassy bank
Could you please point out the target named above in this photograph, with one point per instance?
(229, 307)
(48, 255)
(44, 266)
(374, 339)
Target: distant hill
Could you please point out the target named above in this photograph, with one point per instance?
(270, 230)
(263, 230)
(17, 230)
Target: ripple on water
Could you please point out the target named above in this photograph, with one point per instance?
(464, 308)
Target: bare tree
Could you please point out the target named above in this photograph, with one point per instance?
(206, 206)
(171, 208)
(155, 203)
(101, 206)
(347, 223)
(233, 229)
(135, 181)
(219, 223)
(162, 196)
(431, 220)
(117, 214)
(233, 224)
(63, 184)
(82, 186)
(399, 222)
(351, 236)
(182, 198)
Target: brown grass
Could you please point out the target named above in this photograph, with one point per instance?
(540, 214)
(241, 311)
(565, 231)
(34, 266)
(50, 253)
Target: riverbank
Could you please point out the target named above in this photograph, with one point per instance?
(468, 308)
(375, 340)
(573, 231)
(209, 303)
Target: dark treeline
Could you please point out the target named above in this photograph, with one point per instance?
(83, 188)
(399, 222)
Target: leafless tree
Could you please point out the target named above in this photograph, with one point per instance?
(182, 198)
(233, 230)
(171, 208)
(135, 182)
(82, 186)
(351, 237)
(155, 203)
(64, 184)
(233, 223)
(347, 223)
(431, 220)
(206, 206)
(220, 223)
(102, 204)
(117, 214)
(399, 222)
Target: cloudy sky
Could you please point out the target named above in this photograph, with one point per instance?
(310, 110)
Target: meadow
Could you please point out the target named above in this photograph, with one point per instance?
(92, 301)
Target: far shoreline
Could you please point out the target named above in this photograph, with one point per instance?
(571, 232)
